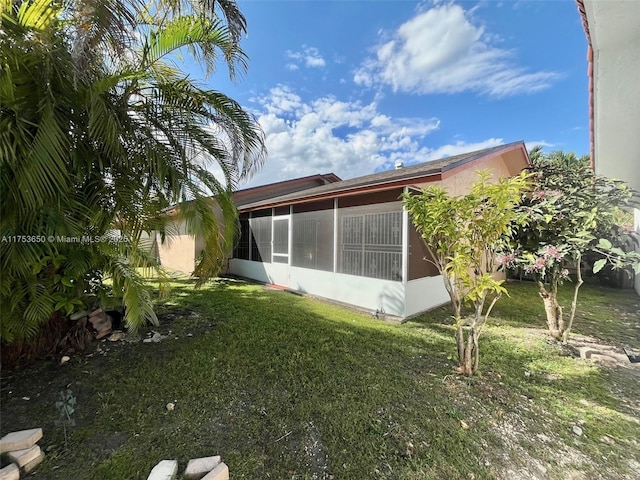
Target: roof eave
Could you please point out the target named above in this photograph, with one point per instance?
(378, 187)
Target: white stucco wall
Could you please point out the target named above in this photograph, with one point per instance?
(392, 298)
(424, 294)
(615, 38)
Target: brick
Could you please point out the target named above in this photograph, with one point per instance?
(165, 470)
(22, 457)
(98, 321)
(221, 472)
(10, 472)
(20, 440)
(199, 467)
(33, 463)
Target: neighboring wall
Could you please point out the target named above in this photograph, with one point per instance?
(177, 253)
(615, 39)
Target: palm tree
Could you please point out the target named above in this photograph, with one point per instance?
(99, 131)
(558, 158)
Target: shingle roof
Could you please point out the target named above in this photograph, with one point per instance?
(389, 179)
(263, 192)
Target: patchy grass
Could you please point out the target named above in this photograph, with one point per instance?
(286, 387)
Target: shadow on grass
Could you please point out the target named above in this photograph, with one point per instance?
(288, 387)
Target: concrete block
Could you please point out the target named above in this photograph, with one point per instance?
(199, 467)
(20, 440)
(22, 457)
(10, 472)
(165, 470)
(221, 472)
(33, 463)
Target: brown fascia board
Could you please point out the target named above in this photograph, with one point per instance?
(324, 178)
(406, 176)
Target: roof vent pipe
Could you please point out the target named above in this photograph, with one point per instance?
(399, 165)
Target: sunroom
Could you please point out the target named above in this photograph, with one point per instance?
(352, 242)
(357, 250)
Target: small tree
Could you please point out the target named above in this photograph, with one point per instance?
(465, 237)
(571, 211)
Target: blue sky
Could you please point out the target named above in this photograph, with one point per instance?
(350, 87)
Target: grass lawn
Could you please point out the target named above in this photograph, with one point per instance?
(287, 387)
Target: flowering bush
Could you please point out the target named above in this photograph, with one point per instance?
(571, 211)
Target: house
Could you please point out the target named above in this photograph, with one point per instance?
(180, 252)
(612, 29)
(351, 241)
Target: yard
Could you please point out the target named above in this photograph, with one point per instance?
(287, 387)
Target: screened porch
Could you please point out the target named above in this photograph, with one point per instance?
(359, 249)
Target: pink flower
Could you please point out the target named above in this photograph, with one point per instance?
(506, 260)
(536, 266)
(551, 252)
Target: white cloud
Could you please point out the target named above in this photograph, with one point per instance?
(532, 143)
(441, 50)
(310, 56)
(349, 139)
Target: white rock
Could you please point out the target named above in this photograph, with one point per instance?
(20, 440)
(171, 406)
(221, 472)
(165, 470)
(116, 336)
(64, 359)
(199, 467)
(577, 430)
(10, 472)
(24, 456)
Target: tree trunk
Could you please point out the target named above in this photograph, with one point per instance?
(467, 351)
(45, 342)
(574, 302)
(460, 341)
(555, 322)
(476, 351)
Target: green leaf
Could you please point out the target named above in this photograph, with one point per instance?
(597, 266)
(604, 243)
